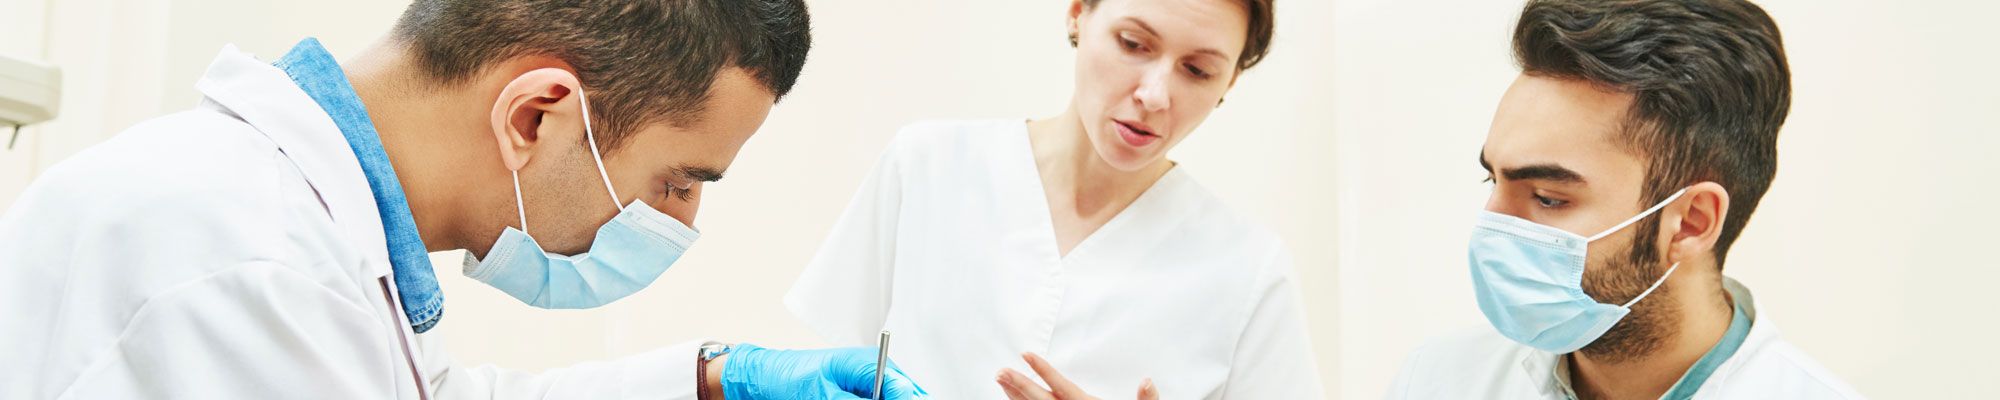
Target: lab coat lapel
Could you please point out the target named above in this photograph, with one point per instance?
(1762, 334)
(1540, 368)
(266, 98)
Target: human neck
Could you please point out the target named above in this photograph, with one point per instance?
(1703, 317)
(417, 123)
(1072, 171)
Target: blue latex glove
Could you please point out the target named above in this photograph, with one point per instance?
(756, 373)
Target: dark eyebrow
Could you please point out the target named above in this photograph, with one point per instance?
(699, 173)
(1547, 172)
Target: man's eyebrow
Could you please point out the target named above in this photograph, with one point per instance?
(699, 173)
(1546, 172)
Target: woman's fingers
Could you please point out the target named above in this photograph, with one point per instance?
(1009, 388)
(1062, 387)
(1019, 387)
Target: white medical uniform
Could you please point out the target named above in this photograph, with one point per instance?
(950, 246)
(1481, 364)
(235, 251)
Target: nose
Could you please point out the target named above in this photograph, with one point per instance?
(1494, 204)
(1152, 94)
(1496, 201)
(684, 210)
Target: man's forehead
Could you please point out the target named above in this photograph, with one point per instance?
(703, 148)
(737, 102)
(1546, 121)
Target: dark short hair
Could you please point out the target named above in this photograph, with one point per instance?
(1708, 78)
(1255, 45)
(642, 61)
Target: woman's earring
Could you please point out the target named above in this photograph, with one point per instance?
(1218, 102)
(1072, 39)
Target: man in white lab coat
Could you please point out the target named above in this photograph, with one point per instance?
(272, 242)
(1625, 160)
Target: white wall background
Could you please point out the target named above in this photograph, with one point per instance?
(1869, 251)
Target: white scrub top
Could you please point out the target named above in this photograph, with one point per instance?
(950, 246)
(235, 251)
(1481, 364)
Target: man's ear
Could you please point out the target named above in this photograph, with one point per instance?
(1694, 222)
(519, 110)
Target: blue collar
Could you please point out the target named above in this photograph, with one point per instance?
(1691, 381)
(1739, 329)
(320, 77)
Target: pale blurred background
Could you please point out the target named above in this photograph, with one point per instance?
(1355, 140)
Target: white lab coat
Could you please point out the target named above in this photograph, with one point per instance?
(235, 251)
(950, 246)
(1481, 364)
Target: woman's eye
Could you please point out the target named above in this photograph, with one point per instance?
(1196, 71)
(1546, 202)
(1129, 43)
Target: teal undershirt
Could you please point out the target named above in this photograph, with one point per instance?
(1739, 329)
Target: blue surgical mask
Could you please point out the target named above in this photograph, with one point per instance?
(1528, 278)
(629, 252)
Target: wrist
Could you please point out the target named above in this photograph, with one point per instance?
(708, 369)
(713, 384)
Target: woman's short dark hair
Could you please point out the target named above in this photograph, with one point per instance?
(1255, 45)
(1708, 78)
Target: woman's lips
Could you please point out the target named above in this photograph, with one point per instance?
(1137, 136)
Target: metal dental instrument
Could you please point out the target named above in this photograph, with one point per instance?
(881, 363)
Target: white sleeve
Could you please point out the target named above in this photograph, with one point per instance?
(1400, 388)
(665, 373)
(1274, 357)
(257, 330)
(844, 293)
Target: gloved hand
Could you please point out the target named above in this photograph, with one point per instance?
(755, 373)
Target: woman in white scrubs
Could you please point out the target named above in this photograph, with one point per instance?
(1075, 237)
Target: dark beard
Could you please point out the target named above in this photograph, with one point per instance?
(1646, 329)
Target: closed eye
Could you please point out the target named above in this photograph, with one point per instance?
(1130, 45)
(1196, 71)
(682, 194)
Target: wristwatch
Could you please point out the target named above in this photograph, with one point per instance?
(709, 351)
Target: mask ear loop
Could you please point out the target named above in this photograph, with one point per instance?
(1636, 218)
(592, 137)
(1622, 225)
(1656, 285)
(519, 207)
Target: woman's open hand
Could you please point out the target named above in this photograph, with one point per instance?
(1020, 387)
